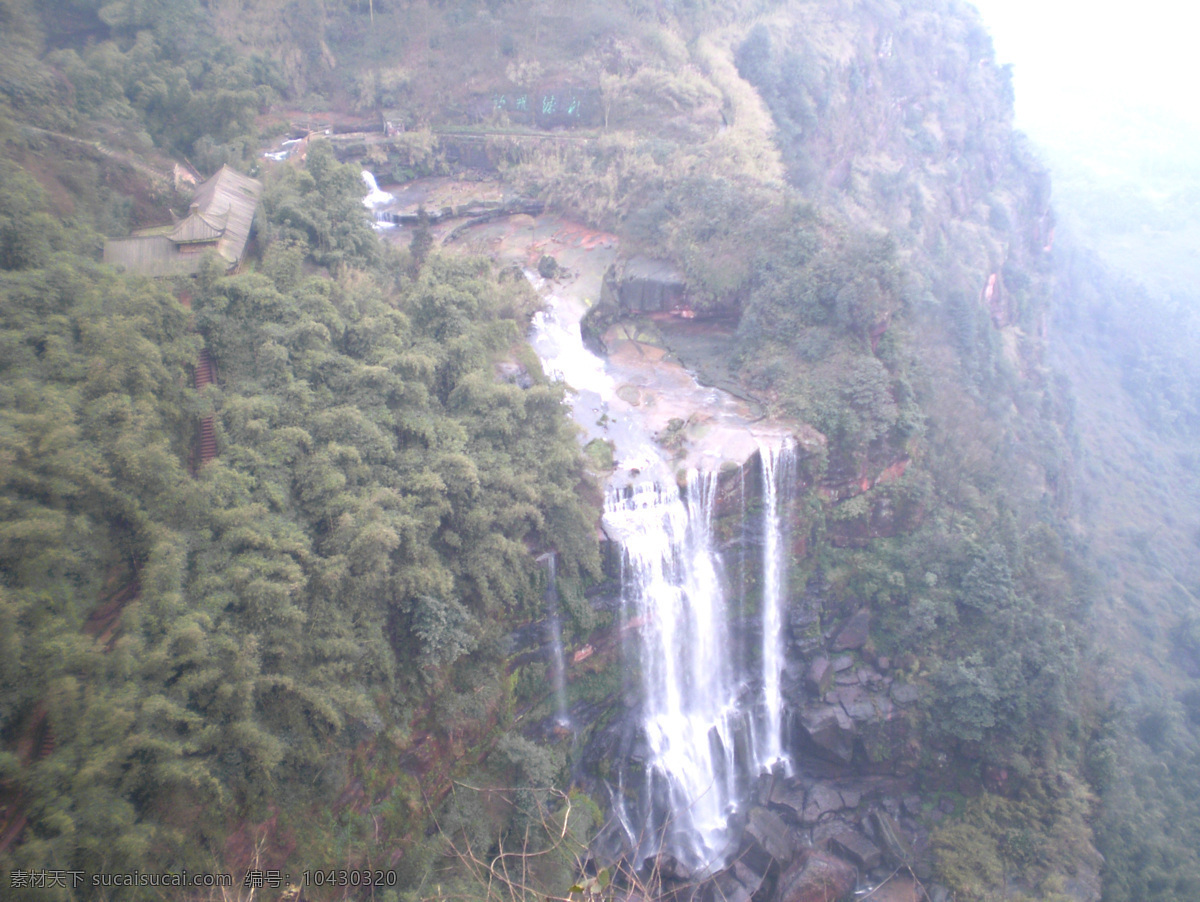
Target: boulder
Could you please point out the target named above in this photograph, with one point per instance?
(843, 662)
(822, 799)
(853, 635)
(766, 830)
(860, 703)
(671, 868)
(764, 787)
(817, 877)
(862, 706)
(726, 887)
(788, 797)
(889, 835)
(851, 797)
(938, 893)
(830, 729)
(820, 675)
(897, 889)
(905, 693)
(869, 676)
(856, 848)
(854, 702)
(747, 876)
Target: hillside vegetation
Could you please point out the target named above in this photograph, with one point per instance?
(287, 657)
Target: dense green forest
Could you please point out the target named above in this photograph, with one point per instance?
(297, 654)
(368, 521)
(289, 613)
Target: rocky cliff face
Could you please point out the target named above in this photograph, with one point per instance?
(867, 791)
(846, 809)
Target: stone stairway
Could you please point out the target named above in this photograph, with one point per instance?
(206, 374)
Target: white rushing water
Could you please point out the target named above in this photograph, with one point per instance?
(285, 150)
(777, 477)
(672, 590)
(376, 198)
(709, 726)
(558, 674)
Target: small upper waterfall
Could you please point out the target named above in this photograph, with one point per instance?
(376, 198)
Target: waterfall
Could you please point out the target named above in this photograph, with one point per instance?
(285, 150)
(709, 722)
(777, 465)
(376, 198)
(672, 588)
(558, 668)
(742, 561)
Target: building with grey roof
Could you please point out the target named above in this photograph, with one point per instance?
(220, 220)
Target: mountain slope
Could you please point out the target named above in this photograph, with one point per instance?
(317, 646)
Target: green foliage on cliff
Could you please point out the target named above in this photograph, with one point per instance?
(1151, 338)
(189, 651)
(325, 602)
(1144, 762)
(1032, 839)
(1141, 754)
(319, 208)
(29, 235)
(144, 75)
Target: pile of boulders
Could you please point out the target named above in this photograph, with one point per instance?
(809, 842)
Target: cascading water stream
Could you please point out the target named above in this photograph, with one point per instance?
(558, 670)
(709, 725)
(375, 199)
(672, 588)
(743, 559)
(777, 462)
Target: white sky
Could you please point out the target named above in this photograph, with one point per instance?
(1084, 69)
(1107, 93)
